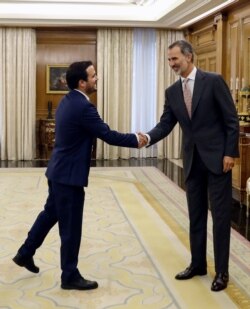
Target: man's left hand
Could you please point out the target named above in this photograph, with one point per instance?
(228, 164)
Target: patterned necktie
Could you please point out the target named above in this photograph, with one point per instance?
(187, 96)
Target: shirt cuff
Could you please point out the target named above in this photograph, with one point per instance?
(149, 139)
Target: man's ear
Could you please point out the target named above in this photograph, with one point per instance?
(82, 83)
(189, 56)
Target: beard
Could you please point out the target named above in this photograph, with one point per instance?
(91, 89)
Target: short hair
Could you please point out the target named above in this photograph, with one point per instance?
(76, 72)
(185, 47)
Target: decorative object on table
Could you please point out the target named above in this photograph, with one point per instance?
(49, 110)
(244, 106)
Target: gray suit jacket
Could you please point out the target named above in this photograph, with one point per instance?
(214, 127)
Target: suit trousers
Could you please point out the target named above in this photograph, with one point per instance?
(206, 190)
(65, 206)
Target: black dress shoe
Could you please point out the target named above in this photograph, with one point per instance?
(79, 284)
(220, 282)
(28, 263)
(190, 272)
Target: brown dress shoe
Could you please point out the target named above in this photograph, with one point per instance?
(28, 263)
(220, 282)
(190, 272)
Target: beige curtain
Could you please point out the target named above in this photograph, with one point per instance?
(114, 66)
(170, 147)
(114, 69)
(17, 93)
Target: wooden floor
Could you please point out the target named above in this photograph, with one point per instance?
(174, 171)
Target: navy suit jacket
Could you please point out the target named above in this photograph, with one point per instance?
(77, 124)
(213, 128)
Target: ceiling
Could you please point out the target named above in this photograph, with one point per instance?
(175, 14)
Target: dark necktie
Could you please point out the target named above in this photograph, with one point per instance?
(187, 96)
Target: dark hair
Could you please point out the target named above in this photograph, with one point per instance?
(76, 72)
(185, 47)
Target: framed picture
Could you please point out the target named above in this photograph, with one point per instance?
(56, 78)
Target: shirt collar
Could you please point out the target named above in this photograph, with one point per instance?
(82, 94)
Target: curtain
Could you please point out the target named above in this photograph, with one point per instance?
(17, 93)
(170, 147)
(144, 87)
(133, 66)
(114, 70)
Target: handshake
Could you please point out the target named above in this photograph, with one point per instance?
(143, 140)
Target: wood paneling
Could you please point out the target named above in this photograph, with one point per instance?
(202, 63)
(245, 64)
(238, 46)
(207, 61)
(59, 47)
(212, 62)
(203, 39)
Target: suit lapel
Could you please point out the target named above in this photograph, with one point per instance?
(198, 89)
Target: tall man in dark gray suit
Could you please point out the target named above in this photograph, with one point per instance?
(207, 115)
(77, 124)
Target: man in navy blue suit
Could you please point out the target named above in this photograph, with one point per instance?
(77, 125)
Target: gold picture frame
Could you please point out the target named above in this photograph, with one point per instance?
(56, 78)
